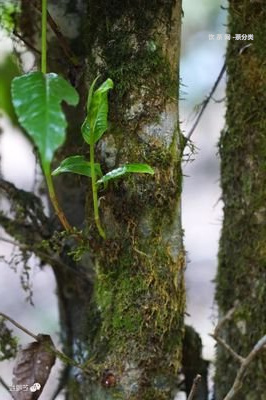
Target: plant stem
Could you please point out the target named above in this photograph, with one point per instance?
(47, 173)
(44, 30)
(94, 190)
(55, 203)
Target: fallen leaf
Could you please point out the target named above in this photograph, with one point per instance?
(32, 369)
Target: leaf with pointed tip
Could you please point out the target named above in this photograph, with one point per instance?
(37, 100)
(126, 169)
(95, 123)
(77, 165)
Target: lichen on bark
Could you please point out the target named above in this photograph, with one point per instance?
(242, 256)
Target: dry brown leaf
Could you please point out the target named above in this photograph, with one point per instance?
(31, 371)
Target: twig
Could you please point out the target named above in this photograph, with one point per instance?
(236, 356)
(46, 257)
(13, 243)
(19, 326)
(226, 317)
(26, 42)
(5, 385)
(63, 357)
(244, 362)
(65, 47)
(61, 39)
(259, 346)
(222, 342)
(194, 388)
(205, 103)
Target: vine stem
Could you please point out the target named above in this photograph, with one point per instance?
(94, 190)
(55, 203)
(47, 173)
(44, 34)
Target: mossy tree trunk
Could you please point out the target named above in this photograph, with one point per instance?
(242, 255)
(122, 304)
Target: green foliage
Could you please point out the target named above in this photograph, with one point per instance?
(126, 169)
(92, 129)
(8, 343)
(95, 123)
(7, 11)
(8, 70)
(37, 101)
(77, 165)
(36, 98)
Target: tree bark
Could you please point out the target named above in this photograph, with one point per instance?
(122, 304)
(242, 256)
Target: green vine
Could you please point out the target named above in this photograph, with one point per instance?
(44, 36)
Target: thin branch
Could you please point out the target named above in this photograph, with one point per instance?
(26, 42)
(227, 317)
(5, 385)
(194, 388)
(63, 43)
(13, 243)
(63, 357)
(61, 39)
(47, 258)
(259, 346)
(25, 330)
(223, 343)
(205, 103)
(244, 362)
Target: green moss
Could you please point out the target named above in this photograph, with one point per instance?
(8, 343)
(126, 46)
(242, 256)
(136, 303)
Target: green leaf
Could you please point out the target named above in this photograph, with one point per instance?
(91, 92)
(37, 100)
(8, 70)
(126, 169)
(77, 165)
(8, 13)
(95, 123)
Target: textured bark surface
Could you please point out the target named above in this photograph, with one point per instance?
(242, 256)
(122, 304)
(138, 299)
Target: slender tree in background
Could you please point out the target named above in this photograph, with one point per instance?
(242, 257)
(122, 303)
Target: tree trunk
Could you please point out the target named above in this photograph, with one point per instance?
(122, 304)
(242, 256)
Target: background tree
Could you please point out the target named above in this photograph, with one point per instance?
(122, 303)
(242, 258)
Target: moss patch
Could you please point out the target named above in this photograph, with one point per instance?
(242, 256)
